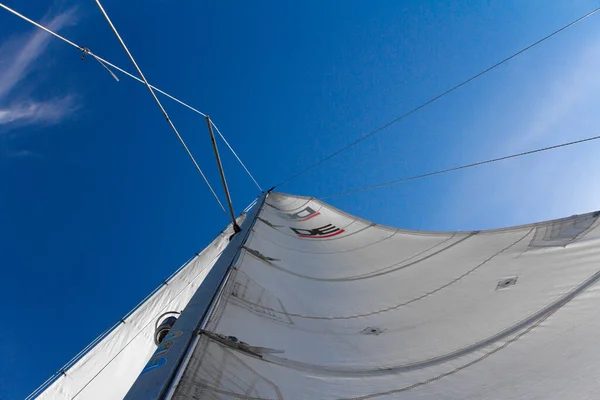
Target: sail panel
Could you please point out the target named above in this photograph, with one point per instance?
(376, 312)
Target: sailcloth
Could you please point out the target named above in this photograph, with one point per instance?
(330, 306)
(110, 365)
(324, 305)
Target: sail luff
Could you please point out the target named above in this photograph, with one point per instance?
(159, 372)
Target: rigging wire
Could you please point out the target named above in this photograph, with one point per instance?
(476, 164)
(249, 206)
(105, 63)
(236, 156)
(435, 98)
(162, 109)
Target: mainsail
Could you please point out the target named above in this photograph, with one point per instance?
(320, 304)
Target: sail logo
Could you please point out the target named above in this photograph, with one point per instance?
(303, 215)
(153, 364)
(163, 349)
(322, 232)
(158, 359)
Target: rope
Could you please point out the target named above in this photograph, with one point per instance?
(107, 64)
(476, 164)
(439, 96)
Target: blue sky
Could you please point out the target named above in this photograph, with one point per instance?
(99, 203)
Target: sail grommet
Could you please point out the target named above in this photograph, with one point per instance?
(506, 282)
(372, 330)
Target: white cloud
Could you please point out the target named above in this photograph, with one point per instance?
(47, 112)
(17, 58)
(21, 154)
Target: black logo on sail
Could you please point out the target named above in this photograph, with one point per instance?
(318, 233)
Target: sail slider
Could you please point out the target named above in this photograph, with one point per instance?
(269, 223)
(234, 343)
(260, 255)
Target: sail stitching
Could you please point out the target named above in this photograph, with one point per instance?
(328, 252)
(384, 270)
(409, 301)
(200, 360)
(457, 369)
(415, 385)
(523, 323)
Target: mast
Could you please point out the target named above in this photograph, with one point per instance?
(158, 375)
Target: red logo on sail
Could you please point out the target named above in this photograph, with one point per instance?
(303, 215)
(323, 232)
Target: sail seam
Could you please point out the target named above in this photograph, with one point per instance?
(319, 253)
(457, 369)
(410, 387)
(239, 359)
(550, 308)
(409, 301)
(384, 270)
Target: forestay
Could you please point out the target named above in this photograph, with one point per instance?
(108, 367)
(334, 307)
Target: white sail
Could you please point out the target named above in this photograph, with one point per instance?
(334, 307)
(110, 365)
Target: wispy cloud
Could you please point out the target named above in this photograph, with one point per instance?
(554, 100)
(47, 112)
(560, 105)
(22, 154)
(17, 59)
